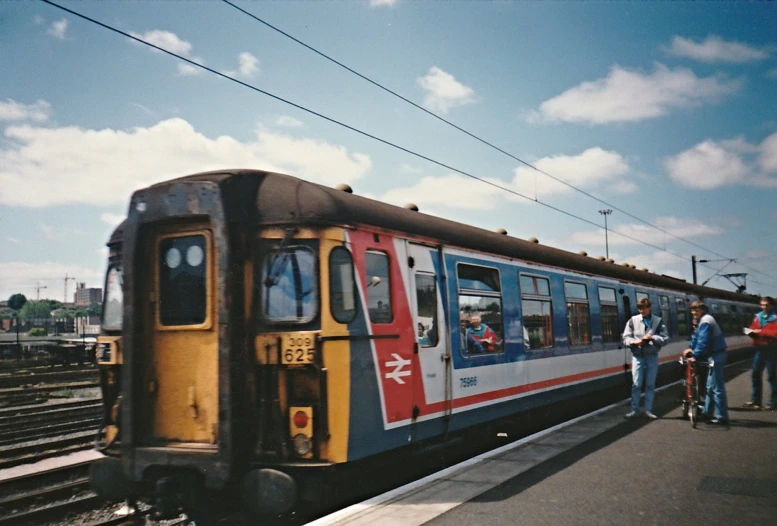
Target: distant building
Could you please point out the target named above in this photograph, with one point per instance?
(85, 297)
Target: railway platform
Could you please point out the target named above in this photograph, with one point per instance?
(603, 469)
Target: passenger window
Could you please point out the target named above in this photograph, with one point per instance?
(537, 312)
(341, 285)
(608, 304)
(426, 304)
(663, 305)
(682, 317)
(641, 295)
(578, 314)
(480, 309)
(378, 287)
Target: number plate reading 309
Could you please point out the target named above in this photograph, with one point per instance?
(298, 349)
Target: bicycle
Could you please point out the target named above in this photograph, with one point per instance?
(694, 390)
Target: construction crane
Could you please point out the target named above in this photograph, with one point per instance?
(38, 286)
(66, 280)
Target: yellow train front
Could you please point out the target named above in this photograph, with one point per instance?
(227, 377)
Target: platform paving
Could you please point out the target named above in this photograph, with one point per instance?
(606, 470)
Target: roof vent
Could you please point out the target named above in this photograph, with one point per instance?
(412, 206)
(627, 265)
(533, 240)
(610, 260)
(501, 231)
(344, 188)
(644, 270)
(633, 266)
(583, 253)
(600, 258)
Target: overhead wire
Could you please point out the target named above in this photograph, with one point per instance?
(472, 135)
(352, 128)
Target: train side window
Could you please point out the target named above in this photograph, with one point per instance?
(377, 268)
(663, 305)
(682, 317)
(480, 309)
(578, 313)
(537, 311)
(113, 304)
(641, 295)
(426, 304)
(608, 304)
(342, 289)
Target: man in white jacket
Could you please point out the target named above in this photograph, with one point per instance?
(645, 334)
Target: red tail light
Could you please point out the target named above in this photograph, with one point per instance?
(300, 419)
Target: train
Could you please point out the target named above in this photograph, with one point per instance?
(261, 332)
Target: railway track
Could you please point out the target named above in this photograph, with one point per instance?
(29, 452)
(28, 377)
(31, 395)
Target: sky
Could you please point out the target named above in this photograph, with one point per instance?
(663, 112)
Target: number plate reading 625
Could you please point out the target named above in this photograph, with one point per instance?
(298, 348)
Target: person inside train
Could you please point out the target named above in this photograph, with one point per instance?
(708, 342)
(763, 331)
(423, 340)
(644, 334)
(482, 333)
(468, 341)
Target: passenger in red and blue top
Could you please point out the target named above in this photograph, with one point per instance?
(482, 333)
(763, 331)
(708, 342)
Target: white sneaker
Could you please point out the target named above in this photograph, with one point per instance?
(631, 414)
(650, 415)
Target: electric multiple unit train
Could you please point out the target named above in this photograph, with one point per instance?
(261, 331)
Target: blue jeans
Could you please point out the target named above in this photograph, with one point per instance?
(643, 368)
(716, 389)
(765, 358)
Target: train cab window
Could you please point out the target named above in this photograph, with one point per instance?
(480, 309)
(342, 289)
(682, 317)
(578, 314)
(663, 306)
(537, 312)
(289, 284)
(426, 305)
(378, 287)
(182, 274)
(608, 305)
(113, 303)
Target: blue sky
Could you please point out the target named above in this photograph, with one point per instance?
(666, 111)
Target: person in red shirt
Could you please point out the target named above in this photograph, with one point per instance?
(763, 331)
(483, 333)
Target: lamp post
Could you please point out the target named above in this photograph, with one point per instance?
(605, 213)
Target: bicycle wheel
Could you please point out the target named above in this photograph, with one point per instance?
(693, 408)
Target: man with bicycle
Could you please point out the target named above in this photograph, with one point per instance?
(708, 342)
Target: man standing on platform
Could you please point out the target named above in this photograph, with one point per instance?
(645, 334)
(708, 342)
(763, 331)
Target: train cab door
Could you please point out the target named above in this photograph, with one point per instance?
(432, 368)
(181, 369)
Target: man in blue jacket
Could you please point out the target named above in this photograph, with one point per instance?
(708, 342)
(645, 334)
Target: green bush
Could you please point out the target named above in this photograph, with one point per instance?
(38, 331)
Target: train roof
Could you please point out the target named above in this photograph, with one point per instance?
(267, 198)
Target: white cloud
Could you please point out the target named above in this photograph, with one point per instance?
(383, 3)
(453, 191)
(641, 233)
(20, 277)
(592, 167)
(10, 110)
(171, 42)
(712, 164)
(443, 91)
(628, 96)
(49, 166)
(58, 29)
(249, 65)
(288, 122)
(112, 219)
(409, 169)
(11, 239)
(715, 49)
(57, 233)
